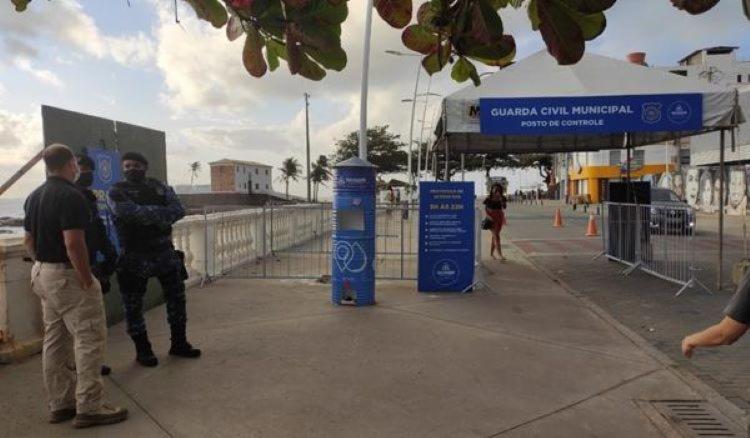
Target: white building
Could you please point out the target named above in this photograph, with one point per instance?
(236, 176)
(589, 172)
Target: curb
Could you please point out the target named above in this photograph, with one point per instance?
(732, 411)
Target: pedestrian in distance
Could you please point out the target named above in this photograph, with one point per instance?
(494, 206)
(75, 331)
(102, 253)
(144, 211)
(731, 328)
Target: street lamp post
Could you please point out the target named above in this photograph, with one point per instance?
(411, 122)
(421, 132)
(365, 79)
(307, 142)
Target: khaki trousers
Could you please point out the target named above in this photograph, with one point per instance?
(75, 334)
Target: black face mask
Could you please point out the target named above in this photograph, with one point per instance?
(86, 179)
(135, 175)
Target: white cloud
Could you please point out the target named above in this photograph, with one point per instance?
(44, 76)
(64, 24)
(20, 139)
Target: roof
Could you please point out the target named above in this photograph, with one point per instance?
(228, 162)
(716, 50)
(540, 75)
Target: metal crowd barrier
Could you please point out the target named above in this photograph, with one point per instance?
(657, 239)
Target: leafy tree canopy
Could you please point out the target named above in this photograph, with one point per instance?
(384, 149)
(306, 34)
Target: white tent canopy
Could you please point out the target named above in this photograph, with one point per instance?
(540, 76)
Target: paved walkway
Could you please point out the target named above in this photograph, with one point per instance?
(522, 357)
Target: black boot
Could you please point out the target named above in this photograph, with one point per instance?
(144, 353)
(180, 346)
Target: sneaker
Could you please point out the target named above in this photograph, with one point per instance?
(62, 415)
(105, 415)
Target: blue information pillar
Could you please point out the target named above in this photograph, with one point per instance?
(446, 236)
(353, 252)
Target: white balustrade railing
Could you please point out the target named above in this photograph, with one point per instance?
(213, 244)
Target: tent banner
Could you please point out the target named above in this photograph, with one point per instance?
(591, 114)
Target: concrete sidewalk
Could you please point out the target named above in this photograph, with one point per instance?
(521, 357)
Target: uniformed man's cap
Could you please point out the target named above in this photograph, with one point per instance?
(134, 156)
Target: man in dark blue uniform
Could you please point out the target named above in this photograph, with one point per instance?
(144, 210)
(102, 253)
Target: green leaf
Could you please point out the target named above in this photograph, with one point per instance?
(272, 56)
(234, 28)
(20, 4)
(252, 53)
(561, 34)
(462, 69)
(294, 54)
(499, 54)
(474, 75)
(211, 11)
(435, 61)
(322, 37)
(499, 4)
(311, 70)
(695, 6)
(418, 38)
(397, 13)
(296, 4)
(590, 6)
(322, 13)
(592, 25)
(278, 49)
(533, 14)
(486, 25)
(426, 16)
(333, 59)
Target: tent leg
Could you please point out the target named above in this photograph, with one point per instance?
(445, 177)
(463, 167)
(721, 211)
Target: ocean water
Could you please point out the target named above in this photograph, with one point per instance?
(11, 207)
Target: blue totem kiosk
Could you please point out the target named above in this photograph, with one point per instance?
(353, 252)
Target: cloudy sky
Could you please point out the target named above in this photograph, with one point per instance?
(135, 64)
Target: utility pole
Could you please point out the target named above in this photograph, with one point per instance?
(307, 137)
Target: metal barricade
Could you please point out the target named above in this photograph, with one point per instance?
(657, 239)
(294, 241)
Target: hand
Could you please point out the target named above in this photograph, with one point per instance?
(86, 283)
(687, 347)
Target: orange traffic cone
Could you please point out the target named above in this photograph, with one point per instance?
(558, 219)
(591, 230)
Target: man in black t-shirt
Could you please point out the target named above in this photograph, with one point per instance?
(71, 298)
(729, 329)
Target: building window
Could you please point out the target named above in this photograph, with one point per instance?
(685, 156)
(256, 170)
(639, 157)
(257, 186)
(614, 158)
(267, 169)
(739, 79)
(266, 186)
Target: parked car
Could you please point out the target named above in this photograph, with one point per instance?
(670, 214)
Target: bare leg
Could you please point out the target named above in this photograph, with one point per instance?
(500, 248)
(492, 246)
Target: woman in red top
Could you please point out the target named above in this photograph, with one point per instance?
(494, 206)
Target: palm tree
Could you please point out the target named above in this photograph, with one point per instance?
(290, 171)
(195, 169)
(320, 173)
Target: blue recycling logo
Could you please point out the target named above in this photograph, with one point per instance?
(679, 112)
